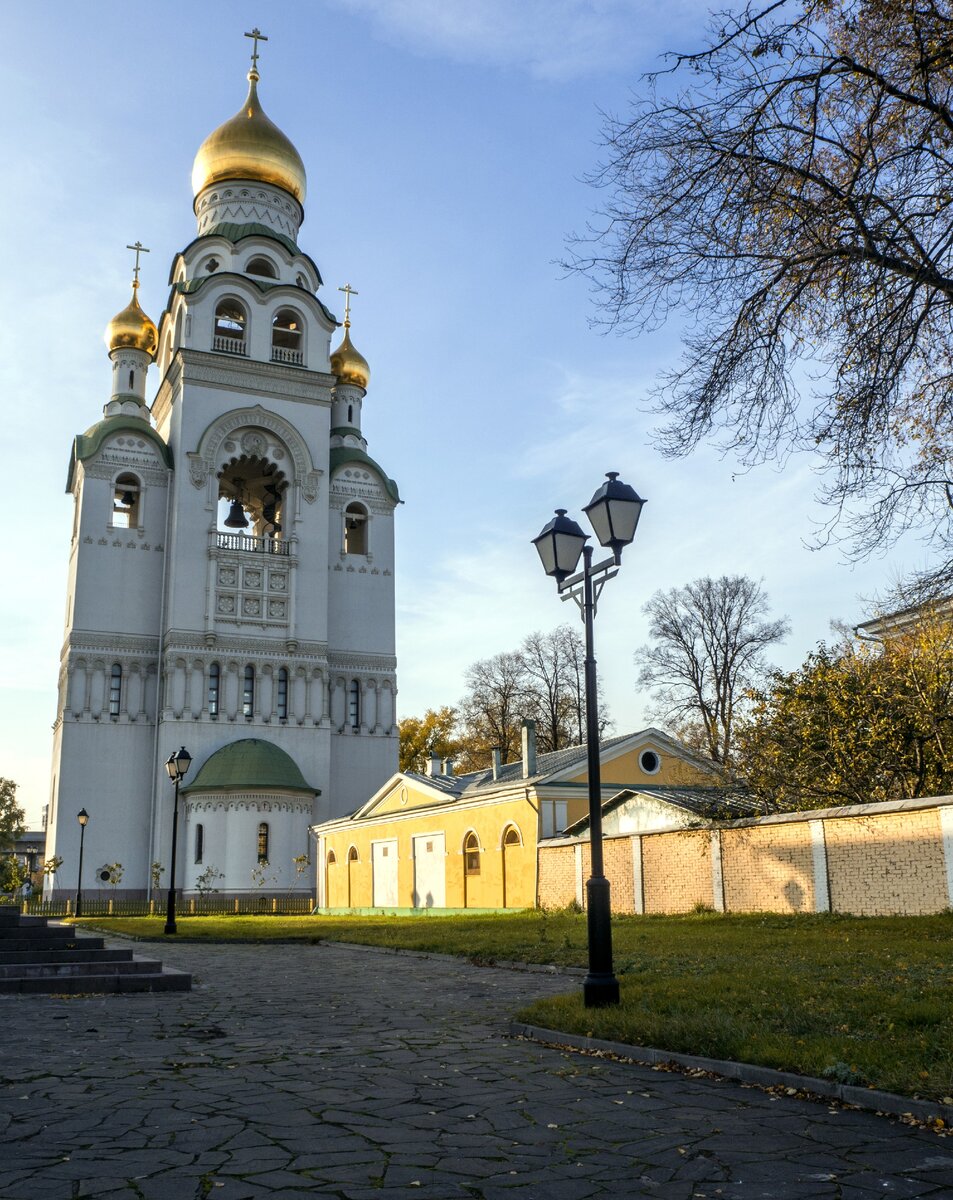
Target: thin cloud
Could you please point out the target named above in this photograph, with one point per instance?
(554, 40)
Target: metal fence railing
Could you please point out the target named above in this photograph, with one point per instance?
(186, 906)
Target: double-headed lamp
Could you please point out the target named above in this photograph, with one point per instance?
(178, 764)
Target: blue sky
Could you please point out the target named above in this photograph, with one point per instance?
(445, 143)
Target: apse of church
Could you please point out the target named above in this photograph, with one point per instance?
(231, 582)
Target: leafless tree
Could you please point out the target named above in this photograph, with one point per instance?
(787, 189)
(709, 647)
(492, 709)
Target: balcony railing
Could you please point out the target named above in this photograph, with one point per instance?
(284, 354)
(229, 345)
(252, 545)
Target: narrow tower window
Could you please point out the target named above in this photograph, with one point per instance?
(132, 380)
(199, 842)
(354, 704)
(282, 694)
(125, 514)
(263, 842)
(229, 332)
(355, 530)
(350, 414)
(115, 689)
(286, 345)
(248, 692)
(214, 688)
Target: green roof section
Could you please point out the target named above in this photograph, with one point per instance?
(85, 445)
(234, 232)
(342, 455)
(189, 287)
(250, 763)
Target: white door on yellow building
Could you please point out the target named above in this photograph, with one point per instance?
(430, 871)
(384, 862)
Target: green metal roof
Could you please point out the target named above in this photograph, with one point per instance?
(234, 232)
(189, 287)
(250, 763)
(342, 455)
(85, 445)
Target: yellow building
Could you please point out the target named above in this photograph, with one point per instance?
(441, 840)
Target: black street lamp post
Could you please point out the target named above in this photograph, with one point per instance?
(177, 765)
(82, 816)
(614, 514)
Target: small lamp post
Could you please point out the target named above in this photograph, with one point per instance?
(613, 513)
(83, 817)
(177, 765)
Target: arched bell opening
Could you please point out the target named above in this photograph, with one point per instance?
(251, 498)
(126, 496)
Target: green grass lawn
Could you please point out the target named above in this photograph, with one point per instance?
(858, 1000)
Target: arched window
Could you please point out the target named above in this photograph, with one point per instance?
(115, 689)
(471, 854)
(512, 837)
(350, 413)
(125, 514)
(263, 842)
(286, 343)
(248, 692)
(282, 694)
(332, 858)
(354, 704)
(199, 842)
(229, 332)
(355, 529)
(352, 855)
(214, 688)
(260, 265)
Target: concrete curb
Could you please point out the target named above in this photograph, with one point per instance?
(767, 1077)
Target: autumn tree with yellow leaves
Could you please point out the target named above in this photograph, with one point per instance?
(859, 721)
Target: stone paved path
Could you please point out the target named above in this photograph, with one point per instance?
(295, 1071)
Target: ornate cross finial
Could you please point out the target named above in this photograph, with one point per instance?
(139, 249)
(348, 293)
(257, 36)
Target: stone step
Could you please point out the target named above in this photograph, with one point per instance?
(82, 953)
(63, 970)
(36, 931)
(80, 985)
(71, 942)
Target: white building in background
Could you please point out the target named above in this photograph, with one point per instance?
(231, 582)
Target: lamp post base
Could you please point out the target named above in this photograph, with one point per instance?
(170, 927)
(599, 991)
(600, 987)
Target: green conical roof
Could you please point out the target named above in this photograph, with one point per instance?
(250, 763)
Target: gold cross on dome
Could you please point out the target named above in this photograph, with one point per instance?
(139, 249)
(348, 293)
(257, 36)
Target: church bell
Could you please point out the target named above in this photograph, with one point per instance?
(236, 518)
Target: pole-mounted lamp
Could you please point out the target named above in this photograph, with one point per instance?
(613, 513)
(83, 817)
(177, 766)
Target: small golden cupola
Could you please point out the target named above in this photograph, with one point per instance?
(131, 329)
(347, 363)
(250, 146)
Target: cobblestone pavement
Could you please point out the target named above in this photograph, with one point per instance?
(296, 1071)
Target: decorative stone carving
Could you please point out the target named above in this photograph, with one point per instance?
(254, 444)
(198, 470)
(309, 486)
(226, 604)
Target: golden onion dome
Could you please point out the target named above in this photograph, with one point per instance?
(349, 364)
(131, 329)
(250, 146)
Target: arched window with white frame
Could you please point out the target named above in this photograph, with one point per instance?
(262, 266)
(287, 337)
(126, 501)
(355, 529)
(231, 320)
